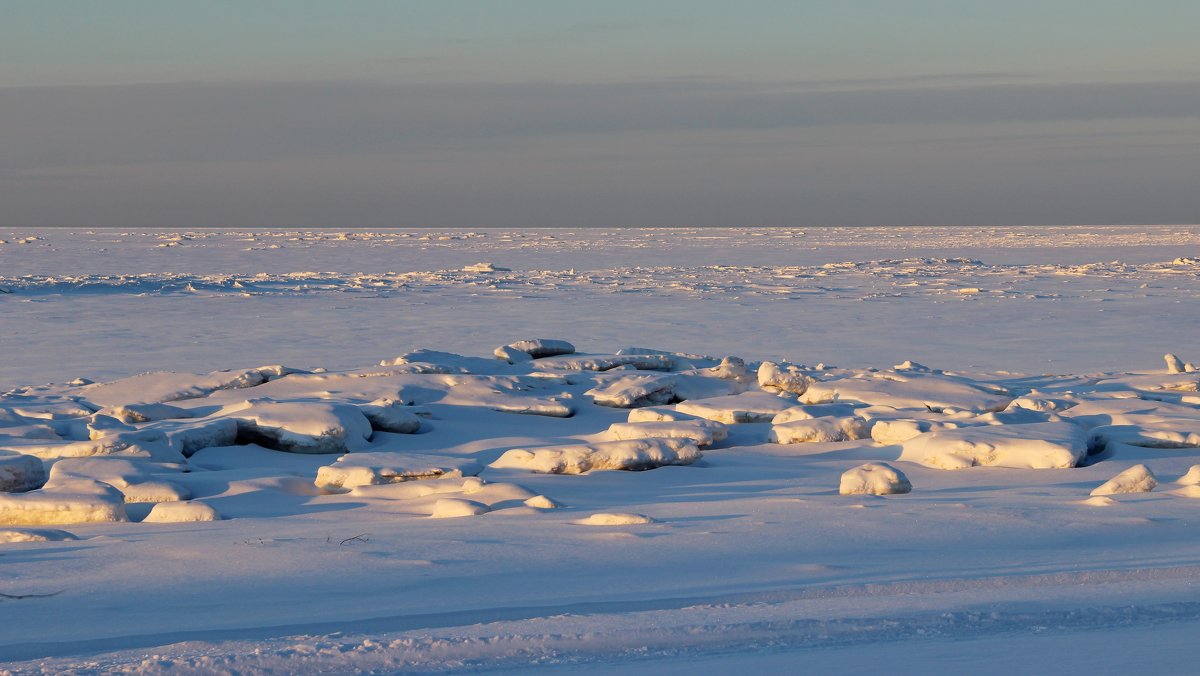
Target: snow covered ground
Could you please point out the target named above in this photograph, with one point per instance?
(412, 490)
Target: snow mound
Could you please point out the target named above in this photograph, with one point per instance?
(614, 519)
(368, 469)
(69, 501)
(181, 512)
(389, 415)
(874, 478)
(1034, 446)
(1098, 501)
(536, 348)
(543, 502)
(453, 508)
(8, 535)
(1191, 491)
(750, 407)
(703, 432)
(304, 427)
(908, 390)
(19, 473)
(1191, 478)
(819, 430)
(1136, 479)
(775, 378)
(635, 391)
(633, 455)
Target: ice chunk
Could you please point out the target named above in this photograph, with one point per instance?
(1136, 479)
(539, 348)
(636, 455)
(307, 427)
(389, 415)
(634, 391)
(750, 407)
(138, 413)
(70, 501)
(898, 431)
(874, 478)
(138, 480)
(188, 437)
(820, 430)
(909, 389)
(181, 512)
(365, 469)
(614, 519)
(1166, 433)
(813, 411)
(512, 355)
(164, 386)
(34, 535)
(774, 378)
(703, 432)
(1174, 364)
(641, 362)
(1035, 446)
(19, 473)
(452, 508)
(657, 413)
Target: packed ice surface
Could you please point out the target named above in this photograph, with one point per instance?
(1052, 373)
(874, 478)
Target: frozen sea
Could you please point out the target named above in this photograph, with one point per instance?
(1006, 372)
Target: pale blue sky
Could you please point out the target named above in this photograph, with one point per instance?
(560, 112)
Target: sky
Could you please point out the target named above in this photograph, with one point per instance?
(571, 113)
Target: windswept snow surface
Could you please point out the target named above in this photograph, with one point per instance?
(673, 508)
